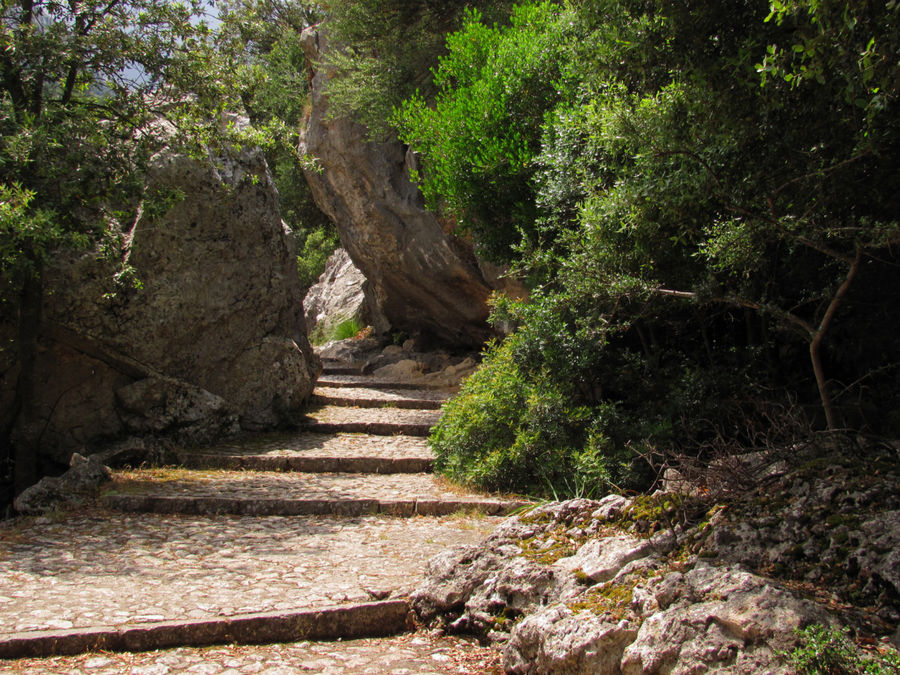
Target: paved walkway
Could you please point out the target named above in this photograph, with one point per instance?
(115, 574)
(110, 569)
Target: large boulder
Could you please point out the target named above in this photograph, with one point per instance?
(202, 333)
(425, 280)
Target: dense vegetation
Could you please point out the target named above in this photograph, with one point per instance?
(703, 197)
(89, 91)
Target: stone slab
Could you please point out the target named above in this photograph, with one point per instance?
(327, 397)
(307, 464)
(370, 382)
(381, 421)
(314, 453)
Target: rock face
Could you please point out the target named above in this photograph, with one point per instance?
(569, 589)
(211, 339)
(342, 293)
(424, 279)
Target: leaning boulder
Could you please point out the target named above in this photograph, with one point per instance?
(199, 332)
(425, 280)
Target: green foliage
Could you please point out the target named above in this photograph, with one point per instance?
(691, 221)
(317, 246)
(480, 137)
(347, 329)
(82, 89)
(263, 38)
(829, 651)
(26, 235)
(342, 330)
(387, 50)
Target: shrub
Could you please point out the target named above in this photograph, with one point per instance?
(342, 330)
(318, 245)
(829, 651)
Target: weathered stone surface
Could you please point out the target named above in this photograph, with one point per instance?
(830, 526)
(424, 279)
(342, 293)
(601, 559)
(101, 568)
(599, 599)
(420, 653)
(213, 332)
(171, 407)
(558, 640)
(726, 619)
(84, 476)
(372, 619)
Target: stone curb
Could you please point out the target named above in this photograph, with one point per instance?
(406, 403)
(374, 428)
(374, 619)
(307, 507)
(307, 464)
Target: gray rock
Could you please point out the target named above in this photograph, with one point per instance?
(424, 279)
(83, 478)
(166, 406)
(600, 560)
(559, 640)
(341, 294)
(615, 605)
(726, 620)
(217, 309)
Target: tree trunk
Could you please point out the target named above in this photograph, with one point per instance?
(818, 336)
(24, 457)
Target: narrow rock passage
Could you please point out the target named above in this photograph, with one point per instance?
(271, 538)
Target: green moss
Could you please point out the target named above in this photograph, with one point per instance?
(561, 546)
(609, 598)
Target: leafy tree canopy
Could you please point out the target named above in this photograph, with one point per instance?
(708, 186)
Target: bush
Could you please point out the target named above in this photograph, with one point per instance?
(317, 246)
(829, 651)
(343, 330)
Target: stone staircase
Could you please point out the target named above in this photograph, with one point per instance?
(312, 535)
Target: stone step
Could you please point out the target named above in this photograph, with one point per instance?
(315, 453)
(380, 421)
(379, 398)
(91, 578)
(373, 619)
(370, 382)
(254, 493)
(338, 369)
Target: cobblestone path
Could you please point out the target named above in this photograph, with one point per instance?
(277, 538)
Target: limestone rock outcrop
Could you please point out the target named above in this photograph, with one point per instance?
(208, 339)
(341, 294)
(425, 280)
(568, 589)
